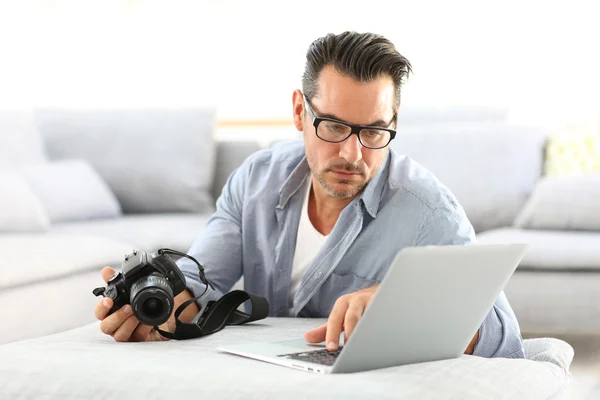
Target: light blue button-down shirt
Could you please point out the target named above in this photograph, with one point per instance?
(253, 234)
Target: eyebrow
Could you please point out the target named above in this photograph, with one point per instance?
(379, 123)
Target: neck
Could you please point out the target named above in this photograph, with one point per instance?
(324, 209)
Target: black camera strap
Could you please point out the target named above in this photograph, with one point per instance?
(217, 314)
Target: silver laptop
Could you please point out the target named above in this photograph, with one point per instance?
(429, 306)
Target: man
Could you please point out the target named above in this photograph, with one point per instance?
(314, 225)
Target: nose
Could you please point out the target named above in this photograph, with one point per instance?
(351, 149)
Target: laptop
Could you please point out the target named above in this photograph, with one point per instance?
(429, 306)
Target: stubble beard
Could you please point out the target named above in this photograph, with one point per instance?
(340, 194)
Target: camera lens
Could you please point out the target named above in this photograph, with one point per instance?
(153, 307)
(152, 300)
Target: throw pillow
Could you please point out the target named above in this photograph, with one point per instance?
(20, 209)
(563, 203)
(71, 190)
(572, 153)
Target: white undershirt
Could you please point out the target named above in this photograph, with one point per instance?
(308, 243)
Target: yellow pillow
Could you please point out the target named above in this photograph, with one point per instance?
(573, 152)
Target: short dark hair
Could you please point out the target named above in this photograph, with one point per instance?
(362, 56)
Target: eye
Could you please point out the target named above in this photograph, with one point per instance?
(372, 133)
(333, 127)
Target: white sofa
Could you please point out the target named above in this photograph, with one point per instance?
(164, 169)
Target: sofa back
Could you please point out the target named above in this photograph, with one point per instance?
(154, 160)
(20, 142)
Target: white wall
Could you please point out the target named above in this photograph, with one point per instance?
(538, 58)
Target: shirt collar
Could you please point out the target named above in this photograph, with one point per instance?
(293, 183)
(370, 196)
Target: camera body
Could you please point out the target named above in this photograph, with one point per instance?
(148, 282)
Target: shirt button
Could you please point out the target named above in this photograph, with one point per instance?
(319, 275)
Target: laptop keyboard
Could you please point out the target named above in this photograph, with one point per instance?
(323, 357)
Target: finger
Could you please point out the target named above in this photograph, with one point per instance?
(141, 333)
(102, 308)
(154, 336)
(316, 335)
(355, 311)
(110, 324)
(335, 324)
(123, 333)
(107, 272)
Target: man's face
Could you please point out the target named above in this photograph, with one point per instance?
(344, 169)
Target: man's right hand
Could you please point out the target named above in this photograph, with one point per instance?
(122, 325)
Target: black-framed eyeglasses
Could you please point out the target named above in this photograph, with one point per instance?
(334, 131)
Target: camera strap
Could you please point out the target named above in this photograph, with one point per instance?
(217, 314)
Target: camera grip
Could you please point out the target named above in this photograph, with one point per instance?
(112, 293)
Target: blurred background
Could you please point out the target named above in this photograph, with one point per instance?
(535, 58)
(120, 121)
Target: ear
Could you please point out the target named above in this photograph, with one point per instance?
(298, 109)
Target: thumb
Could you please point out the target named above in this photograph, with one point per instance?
(107, 272)
(316, 335)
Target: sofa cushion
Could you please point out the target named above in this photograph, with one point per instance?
(563, 203)
(85, 363)
(555, 301)
(154, 160)
(20, 209)
(145, 232)
(555, 250)
(491, 168)
(21, 142)
(29, 258)
(71, 190)
(71, 305)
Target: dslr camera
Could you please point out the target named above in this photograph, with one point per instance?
(147, 281)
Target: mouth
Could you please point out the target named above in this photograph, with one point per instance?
(345, 174)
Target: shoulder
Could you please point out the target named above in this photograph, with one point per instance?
(268, 169)
(407, 177)
(445, 221)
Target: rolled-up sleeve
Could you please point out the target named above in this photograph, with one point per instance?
(499, 334)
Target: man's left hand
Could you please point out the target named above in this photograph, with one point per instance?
(344, 316)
